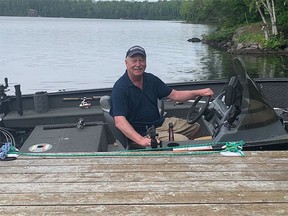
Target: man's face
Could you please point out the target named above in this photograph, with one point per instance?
(135, 65)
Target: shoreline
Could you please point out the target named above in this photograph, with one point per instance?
(242, 48)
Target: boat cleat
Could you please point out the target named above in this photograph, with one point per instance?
(85, 104)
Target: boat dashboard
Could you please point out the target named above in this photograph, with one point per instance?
(241, 112)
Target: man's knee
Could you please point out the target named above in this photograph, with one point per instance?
(195, 131)
(164, 136)
(180, 137)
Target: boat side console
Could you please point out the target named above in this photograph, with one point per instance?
(241, 112)
(66, 138)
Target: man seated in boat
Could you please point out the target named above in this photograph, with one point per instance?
(134, 103)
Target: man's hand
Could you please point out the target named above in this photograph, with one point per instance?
(145, 142)
(206, 92)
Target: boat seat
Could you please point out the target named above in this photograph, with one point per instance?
(120, 138)
(118, 135)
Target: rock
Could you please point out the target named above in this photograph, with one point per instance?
(283, 46)
(194, 40)
(240, 46)
(254, 46)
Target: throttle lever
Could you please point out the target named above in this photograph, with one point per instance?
(6, 82)
(152, 134)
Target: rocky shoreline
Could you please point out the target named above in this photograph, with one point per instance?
(241, 48)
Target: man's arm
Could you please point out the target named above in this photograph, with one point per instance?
(185, 95)
(123, 125)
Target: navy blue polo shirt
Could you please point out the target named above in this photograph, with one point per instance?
(140, 107)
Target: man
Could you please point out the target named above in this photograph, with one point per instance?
(134, 103)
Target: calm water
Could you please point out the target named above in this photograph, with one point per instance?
(52, 54)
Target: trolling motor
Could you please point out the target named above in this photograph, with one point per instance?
(4, 108)
(152, 134)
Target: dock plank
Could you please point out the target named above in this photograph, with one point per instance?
(157, 167)
(161, 210)
(130, 176)
(143, 197)
(256, 184)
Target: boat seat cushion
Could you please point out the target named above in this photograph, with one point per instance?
(118, 135)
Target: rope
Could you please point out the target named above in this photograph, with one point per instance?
(235, 147)
(8, 136)
(4, 150)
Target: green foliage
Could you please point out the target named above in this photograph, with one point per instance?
(161, 10)
(272, 43)
(230, 14)
(251, 37)
(281, 9)
(224, 34)
(275, 42)
(199, 11)
(222, 12)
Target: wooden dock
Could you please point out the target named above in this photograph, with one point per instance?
(209, 185)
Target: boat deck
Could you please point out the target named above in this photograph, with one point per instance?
(256, 184)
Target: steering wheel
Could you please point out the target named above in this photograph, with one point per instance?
(193, 109)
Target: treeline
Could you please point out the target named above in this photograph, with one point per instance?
(161, 10)
(232, 12)
(224, 12)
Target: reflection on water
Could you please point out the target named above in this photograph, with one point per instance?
(52, 54)
(270, 66)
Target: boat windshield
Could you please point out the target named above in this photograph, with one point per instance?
(257, 112)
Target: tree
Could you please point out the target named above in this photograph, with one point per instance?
(270, 8)
(265, 26)
(265, 7)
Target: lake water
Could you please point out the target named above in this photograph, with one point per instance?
(53, 54)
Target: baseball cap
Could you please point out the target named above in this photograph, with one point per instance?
(135, 50)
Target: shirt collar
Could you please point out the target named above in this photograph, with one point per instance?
(129, 82)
